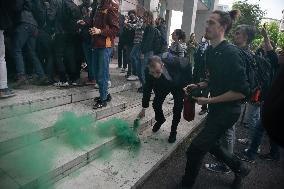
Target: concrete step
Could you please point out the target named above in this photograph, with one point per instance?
(125, 170)
(38, 98)
(66, 159)
(17, 132)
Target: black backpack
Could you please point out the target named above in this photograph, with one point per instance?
(159, 43)
(258, 71)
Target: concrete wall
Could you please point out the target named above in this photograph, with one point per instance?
(189, 16)
(176, 5)
(201, 17)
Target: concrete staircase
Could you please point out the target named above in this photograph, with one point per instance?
(80, 167)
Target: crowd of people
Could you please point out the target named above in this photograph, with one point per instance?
(43, 37)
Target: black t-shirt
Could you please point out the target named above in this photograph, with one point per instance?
(226, 72)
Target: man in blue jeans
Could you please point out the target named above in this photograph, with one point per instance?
(25, 35)
(251, 153)
(104, 30)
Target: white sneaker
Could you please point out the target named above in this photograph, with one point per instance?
(171, 101)
(61, 84)
(132, 78)
(170, 96)
(108, 83)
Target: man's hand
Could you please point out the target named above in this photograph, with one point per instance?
(202, 100)
(142, 56)
(46, 4)
(141, 114)
(81, 22)
(95, 31)
(263, 32)
(190, 87)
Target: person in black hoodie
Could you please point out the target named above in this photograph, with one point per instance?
(164, 76)
(88, 10)
(127, 38)
(45, 14)
(228, 85)
(25, 35)
(5, 23)
(65, 41)
(147, 44)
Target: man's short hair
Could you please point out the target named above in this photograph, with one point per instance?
(153, 60)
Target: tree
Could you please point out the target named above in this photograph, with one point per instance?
(251, 14)
(273, 31)
(280, 40)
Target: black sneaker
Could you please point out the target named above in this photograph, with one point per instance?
(99, 104)
(172, 137)
(218, 168)
(202, 112)
(245, 157)
(6, 93)
(157, 126)
(96, 99)
(140, 90)
(269, 157)
(239, 176)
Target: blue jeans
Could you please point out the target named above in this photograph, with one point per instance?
(228, 140)
(25, 35)
(142, 66)
(135, 56)
(256, 141)
(87, 48)
(101, 59)
(252, 114)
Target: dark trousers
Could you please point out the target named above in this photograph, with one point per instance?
(160, 95)
(208, 141)
(121, 56)
(131, 70)
(256, 142)
(25, 36)
(204, 93)
(65, 50)
(44, 49)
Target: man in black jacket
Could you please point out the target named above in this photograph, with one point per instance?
(5, 23)
(66, 28)
(25, 35)
(164, 77)
(228, 85)
(45, 15)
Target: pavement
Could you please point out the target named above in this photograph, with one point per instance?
(263, 175)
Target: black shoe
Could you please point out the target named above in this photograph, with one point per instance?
(157, 126)
(269, 157)
(96, 99)
(100, 104)
(239, 176)
(202, 112)
(218, 168)
(140, 90)
(172, 137)
(245, 157)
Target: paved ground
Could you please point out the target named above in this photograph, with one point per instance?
(264, 174)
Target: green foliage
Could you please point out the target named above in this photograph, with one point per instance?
(251, 14)
(256, 43)
(280, 40)
(273, 31)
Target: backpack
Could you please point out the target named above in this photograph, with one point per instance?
(258, 71)
(159, 43)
